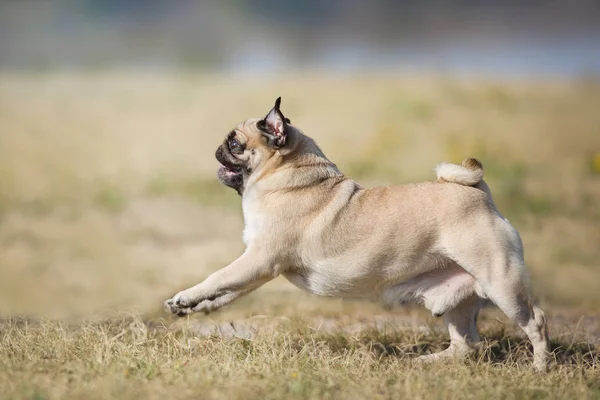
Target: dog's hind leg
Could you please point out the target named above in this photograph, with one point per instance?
(461, 323)
(514, 300)
(495, 259)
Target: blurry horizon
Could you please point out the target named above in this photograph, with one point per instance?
(557, 38)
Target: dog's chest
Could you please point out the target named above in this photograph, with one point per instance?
(252, 229)
(254, 221)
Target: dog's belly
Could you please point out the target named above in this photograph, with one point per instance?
(354, 278)
(438, 287)
(332, 286)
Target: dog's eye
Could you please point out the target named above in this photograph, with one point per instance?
(235, 146)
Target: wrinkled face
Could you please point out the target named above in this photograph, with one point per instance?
(237, 155)
(247, 146)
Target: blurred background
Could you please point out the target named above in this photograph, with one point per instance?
(110, 112)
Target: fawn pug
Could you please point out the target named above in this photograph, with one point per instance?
(442, 244)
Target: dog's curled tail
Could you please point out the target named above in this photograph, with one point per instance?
(468, 173)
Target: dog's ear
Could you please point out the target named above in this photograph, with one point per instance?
(275, 126)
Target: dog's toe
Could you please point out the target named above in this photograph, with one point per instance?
(183, 301)
(169, 306)
(172, 307)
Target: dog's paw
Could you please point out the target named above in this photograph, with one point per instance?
(176, 307)
(188, 302)
(184, 300)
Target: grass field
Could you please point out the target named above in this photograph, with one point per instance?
(109, 204)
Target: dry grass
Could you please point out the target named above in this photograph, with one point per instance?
(127, 358)
(108, 202)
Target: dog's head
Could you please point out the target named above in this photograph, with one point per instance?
(247, 147)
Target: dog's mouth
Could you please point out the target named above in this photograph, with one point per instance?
(229, 170)
(229, 174)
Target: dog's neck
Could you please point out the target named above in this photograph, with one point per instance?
(300, 165)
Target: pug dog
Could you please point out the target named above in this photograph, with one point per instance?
(442, 243)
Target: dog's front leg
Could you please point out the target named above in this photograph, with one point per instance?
(245, 274)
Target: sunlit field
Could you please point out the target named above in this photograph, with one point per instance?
(109, 204)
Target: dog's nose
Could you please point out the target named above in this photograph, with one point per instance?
(219, 155)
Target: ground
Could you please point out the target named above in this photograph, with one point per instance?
(109, 204)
